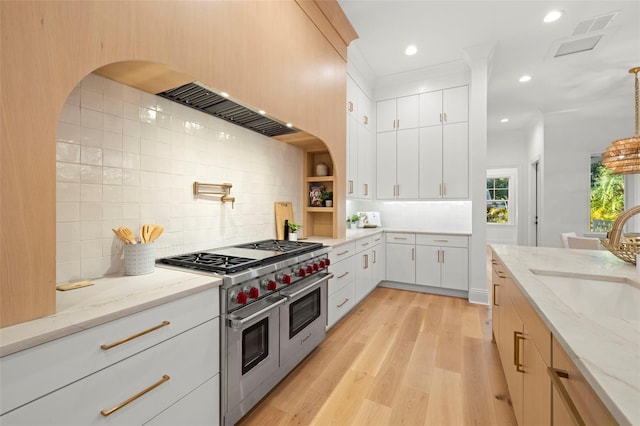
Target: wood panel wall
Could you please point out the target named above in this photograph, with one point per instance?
(269, 54)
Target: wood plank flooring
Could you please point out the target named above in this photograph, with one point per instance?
(399, 358)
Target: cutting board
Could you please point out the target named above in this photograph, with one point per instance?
(284, 211)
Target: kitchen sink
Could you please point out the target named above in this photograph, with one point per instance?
(617, 297)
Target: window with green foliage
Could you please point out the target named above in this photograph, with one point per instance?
(498, 199)
(607, 196)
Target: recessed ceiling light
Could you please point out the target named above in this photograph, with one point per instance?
(224, 94)
(410, 50)
(552, 16)
(504, 120)
(262, 112)
(289, 125)
(525, 78)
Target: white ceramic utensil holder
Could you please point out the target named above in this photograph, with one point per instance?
(139, 259)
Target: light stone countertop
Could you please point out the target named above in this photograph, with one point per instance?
(110, 298)
(601, 339)
(354, 234)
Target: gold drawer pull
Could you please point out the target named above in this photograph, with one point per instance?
(517, 337)
(343, 275)
(342, 304)
(555, 375)
(134, 397)
(494, 295)
(135, 336)
(343, 253)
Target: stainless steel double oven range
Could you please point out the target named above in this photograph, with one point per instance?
(273, 307)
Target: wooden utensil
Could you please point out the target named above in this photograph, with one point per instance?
(145, 232)
(155, 232)
(120, 236)
(127, 234)
(284, 210)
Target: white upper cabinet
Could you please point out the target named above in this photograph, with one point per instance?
(398, 114)
(447, 106)
(352, 98)
(360, 142)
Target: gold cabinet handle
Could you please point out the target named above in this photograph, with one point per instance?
(135, 336)
(350, 108)
(366, 120)
(555, 375)
(494, 262)
(343, 275)
(366, 261)
(350, 187)
(342, 304)
(343, 253)
(441, 117)
(399, 238)
(366, 189)
(494, 294)
(374, 257)
(517, 337)
(364, 244)
(413, 254)
(105, 413)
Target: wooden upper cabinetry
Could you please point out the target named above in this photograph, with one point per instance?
(48, 47)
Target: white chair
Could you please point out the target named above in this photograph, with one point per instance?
(563, 238)
(583, 243)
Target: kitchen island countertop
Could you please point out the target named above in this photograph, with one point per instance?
(110, 298)
(604, 347)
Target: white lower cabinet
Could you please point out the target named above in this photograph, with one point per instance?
(442, 261)
(199, 408)
(400, 257)
(126, 371)
(378, 260)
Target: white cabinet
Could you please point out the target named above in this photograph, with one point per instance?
(444, 161)
(341, 288)
(397, 114)
(397, 159)
(446, 106)
(174, 350)
(360, 143)
(400, 257)
(378, 260)
(442, 261)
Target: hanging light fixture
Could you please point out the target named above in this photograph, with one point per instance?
(623, 156)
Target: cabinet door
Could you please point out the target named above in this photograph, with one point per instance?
(352, 156)
(536, 386)
(408, 112)
(510, 325)
(407, 163)
(455, 160)
(400, 263)
(377, 261)
(364, 110)
(386, 115)
(431, 108)
(352, 98)
(365, 159)
(430, 174)
(363, 274)
(340, 303)
(455, 268)
(455, 104)
(428, 265)
(386, 165)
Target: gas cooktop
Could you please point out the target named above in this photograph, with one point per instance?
(238, 258)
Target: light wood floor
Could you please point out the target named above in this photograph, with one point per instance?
(399, 358)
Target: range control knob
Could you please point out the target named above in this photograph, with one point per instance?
(309, 269)
(286, 279)
(271, 285)
(327, 261)
(302, 273)
(322, 264)
(241, 298)
(316, 267)
(254, 293)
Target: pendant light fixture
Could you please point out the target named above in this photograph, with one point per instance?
(623, 156)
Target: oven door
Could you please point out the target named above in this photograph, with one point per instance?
(253, 352)
(303, 319)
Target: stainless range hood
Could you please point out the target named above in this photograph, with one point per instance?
(198, 97)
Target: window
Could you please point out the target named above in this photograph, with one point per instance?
(607, 196)
(500, 196)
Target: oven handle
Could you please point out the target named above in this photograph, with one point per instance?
(238, 323)
(313, 284)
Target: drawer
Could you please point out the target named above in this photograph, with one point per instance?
(188, 360)
(340, 303)
(442, 240)
(343, 274)
(342, 251)
(400, 238)
(363, 244)
(73, 357)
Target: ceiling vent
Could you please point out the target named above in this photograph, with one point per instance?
(204, 100)
(586, 35)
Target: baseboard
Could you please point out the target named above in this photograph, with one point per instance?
(424, 289)
(479, 296)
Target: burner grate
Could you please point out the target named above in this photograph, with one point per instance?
(211, 262)
(281, 245)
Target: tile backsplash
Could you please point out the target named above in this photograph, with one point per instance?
(125, 158)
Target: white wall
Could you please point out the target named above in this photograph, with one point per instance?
(508, 149)
(126, 158)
